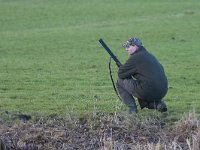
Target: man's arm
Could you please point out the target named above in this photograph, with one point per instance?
(128, 69)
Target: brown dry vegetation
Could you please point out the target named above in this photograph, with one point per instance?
(102, 132)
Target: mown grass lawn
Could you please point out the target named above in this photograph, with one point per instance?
(51, 61)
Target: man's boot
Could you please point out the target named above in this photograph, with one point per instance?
(132, 109)
(161, 106)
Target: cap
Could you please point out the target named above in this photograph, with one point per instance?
(132, 41)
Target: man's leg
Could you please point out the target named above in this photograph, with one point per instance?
(142, 103)
(124, 88)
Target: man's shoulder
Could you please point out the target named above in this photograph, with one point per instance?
(142, 48)
(140, 52)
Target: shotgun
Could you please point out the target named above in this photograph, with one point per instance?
(118, 63)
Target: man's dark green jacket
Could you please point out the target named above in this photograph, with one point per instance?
(150, 80)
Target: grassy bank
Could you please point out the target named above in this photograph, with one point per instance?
(102, 131)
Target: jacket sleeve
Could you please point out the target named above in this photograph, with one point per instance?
(128, 69)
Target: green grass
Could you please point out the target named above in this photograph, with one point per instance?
(51, 61)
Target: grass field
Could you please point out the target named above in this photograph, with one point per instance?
(51, 61)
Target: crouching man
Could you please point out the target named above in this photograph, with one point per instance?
(142, 77)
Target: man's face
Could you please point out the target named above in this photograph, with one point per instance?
(131, 49)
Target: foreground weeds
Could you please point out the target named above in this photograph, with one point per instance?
(102, 132)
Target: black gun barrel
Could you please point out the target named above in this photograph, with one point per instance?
(109, 51)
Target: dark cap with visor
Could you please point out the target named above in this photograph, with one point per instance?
(132, 41)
